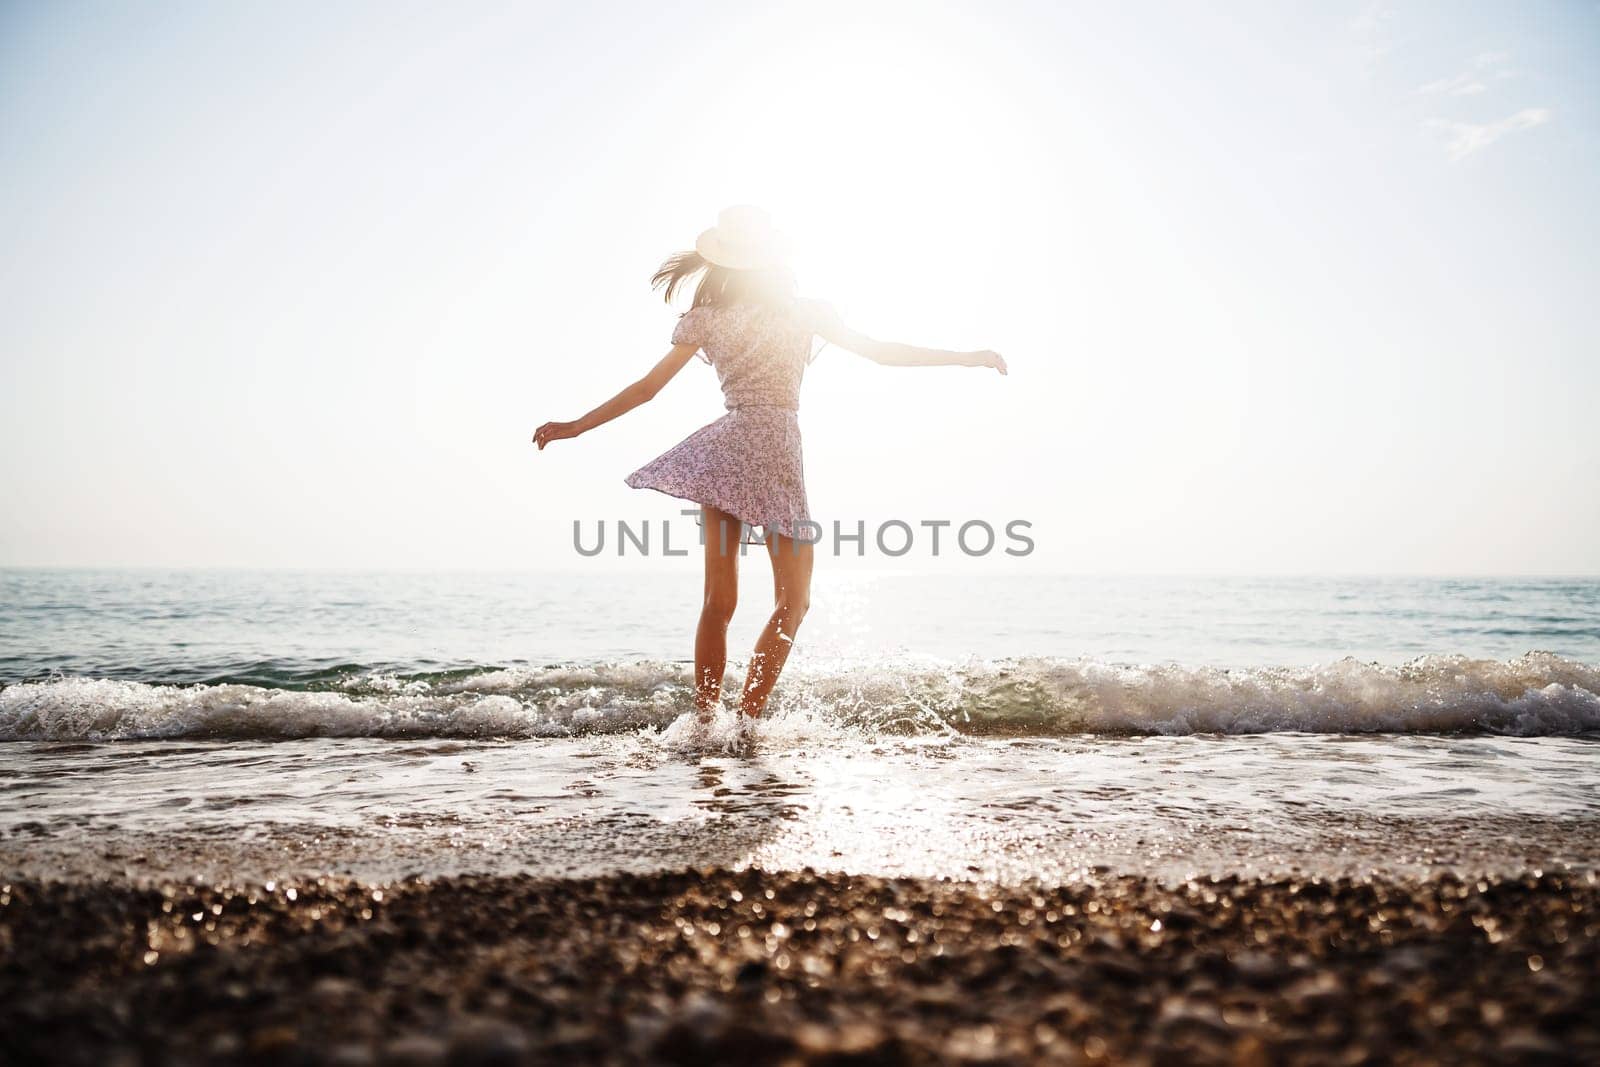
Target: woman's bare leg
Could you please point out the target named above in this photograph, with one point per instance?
(791, 588)
(721, 595)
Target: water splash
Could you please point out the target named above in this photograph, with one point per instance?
(1538, 694)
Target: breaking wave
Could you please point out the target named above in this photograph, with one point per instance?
(1537, 694)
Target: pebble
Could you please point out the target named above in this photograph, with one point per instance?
(719, 966)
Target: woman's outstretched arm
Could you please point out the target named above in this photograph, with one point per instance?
(894, 354)
(631, 397)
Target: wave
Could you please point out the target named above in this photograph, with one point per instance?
(1538, 694)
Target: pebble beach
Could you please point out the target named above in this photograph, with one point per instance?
(751, 966)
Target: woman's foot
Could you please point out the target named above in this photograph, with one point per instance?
(744, 734)
(699, 732)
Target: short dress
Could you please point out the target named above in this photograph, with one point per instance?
(748, 463)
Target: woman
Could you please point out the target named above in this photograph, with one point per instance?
(745, 469)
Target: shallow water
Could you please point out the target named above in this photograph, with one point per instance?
(1011, 809)
(355, 782)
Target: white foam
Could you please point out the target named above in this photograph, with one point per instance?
(1534, 695)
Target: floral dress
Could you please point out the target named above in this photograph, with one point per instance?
(748, 462)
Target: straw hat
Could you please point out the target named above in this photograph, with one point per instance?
(742, 239)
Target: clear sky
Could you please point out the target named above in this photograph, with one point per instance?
(1284, 288)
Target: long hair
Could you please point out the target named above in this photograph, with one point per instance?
(722, 286)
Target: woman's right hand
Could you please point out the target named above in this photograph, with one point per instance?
(554, 431)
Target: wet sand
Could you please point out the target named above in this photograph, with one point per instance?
(751, 966)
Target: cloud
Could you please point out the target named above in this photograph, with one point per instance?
(1460, 85)
(1485, 68)
(1469, 137)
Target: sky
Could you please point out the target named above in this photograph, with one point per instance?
(1284, 287)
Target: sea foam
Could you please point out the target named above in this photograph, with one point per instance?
(1538, 694)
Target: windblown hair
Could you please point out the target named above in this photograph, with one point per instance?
(722, 286)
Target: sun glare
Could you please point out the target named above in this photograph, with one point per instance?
(881, 161)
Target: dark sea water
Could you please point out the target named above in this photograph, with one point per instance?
(1020, 724)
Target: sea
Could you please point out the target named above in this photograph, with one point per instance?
(241, 724)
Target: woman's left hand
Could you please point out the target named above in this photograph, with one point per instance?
(554, 431)
(990, 358)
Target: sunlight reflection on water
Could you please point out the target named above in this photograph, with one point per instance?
(937, 806)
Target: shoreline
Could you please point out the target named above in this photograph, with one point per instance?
(798, 966)
(1166, 849)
